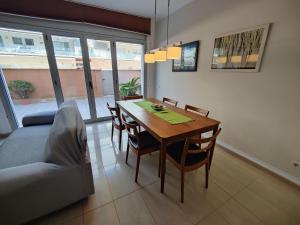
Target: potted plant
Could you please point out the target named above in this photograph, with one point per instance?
(130, 88)
(22, 89)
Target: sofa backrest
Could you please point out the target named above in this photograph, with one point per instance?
(67, 140)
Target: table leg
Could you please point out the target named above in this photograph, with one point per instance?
(163, 166)
(215, 130)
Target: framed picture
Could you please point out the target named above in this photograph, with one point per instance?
(189, 58)
(240, 51)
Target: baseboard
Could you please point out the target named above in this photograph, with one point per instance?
(265, 165)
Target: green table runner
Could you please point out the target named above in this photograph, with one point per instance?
(167, 114)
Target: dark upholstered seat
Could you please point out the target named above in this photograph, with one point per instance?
(175, 151)
(146, 140)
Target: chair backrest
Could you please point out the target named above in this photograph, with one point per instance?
(115, 114)
(131, 128)
(133, 97)
(203, 145)
(201, 112)
(170, 101)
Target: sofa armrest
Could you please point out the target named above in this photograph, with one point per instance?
(41, 118)
(33, 190)
(14, 178)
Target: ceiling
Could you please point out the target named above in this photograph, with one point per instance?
(144, 8)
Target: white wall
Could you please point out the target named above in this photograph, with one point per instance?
(260, 112)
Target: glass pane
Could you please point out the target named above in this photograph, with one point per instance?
(69, 62)
(25, 66)
(129, 58)
(101, 70)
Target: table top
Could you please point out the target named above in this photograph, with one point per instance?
(163, 130)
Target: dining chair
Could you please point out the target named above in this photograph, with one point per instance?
(170, 101)
(116, 122)
(191, 154)
(141, 143)
(133, 97)
(201, 112)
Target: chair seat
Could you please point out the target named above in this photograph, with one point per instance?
(146, 141)
(175, 151)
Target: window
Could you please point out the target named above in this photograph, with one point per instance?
(61, 46)
(29, 41)
(17, 41)
(1, 42)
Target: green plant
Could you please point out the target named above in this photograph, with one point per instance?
(130, 88)
(21, 88)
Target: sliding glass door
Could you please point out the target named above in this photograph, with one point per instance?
(100, 62)
(43, 69)
(130, 67)
(24, 63)
(69, 61)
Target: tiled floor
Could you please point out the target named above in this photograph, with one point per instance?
(238, 193)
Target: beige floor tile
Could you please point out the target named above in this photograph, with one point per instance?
(164, 210)
(120, 180)
(214, 219)
(102, 193)
(226, 180)
(148, 171)
(195, 206)
(264, 210)
(105, 215)
(236, 214)
(132, 210)
(238, 161)
(60, 216)
(280, 194)
(75, 221)
(215, 195)
(230, 165)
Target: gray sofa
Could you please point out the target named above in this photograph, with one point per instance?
(44, 167)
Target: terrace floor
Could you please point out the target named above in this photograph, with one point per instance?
(21, 110)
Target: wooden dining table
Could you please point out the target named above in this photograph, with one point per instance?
(166, 132)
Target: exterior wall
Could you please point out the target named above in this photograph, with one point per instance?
(72, 81)
(259, 111)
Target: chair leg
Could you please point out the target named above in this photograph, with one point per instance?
(206, 174)
(182, 185)
(137, 167)
(112, 132)
(127, 151)
(159, 165)
(120, 139)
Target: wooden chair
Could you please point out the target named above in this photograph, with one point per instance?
(133, 97)
(170, 101)
(201, 112)
(116, 123)
(190, 155)
(141, 143)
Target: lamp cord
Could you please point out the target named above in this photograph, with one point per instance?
(168, 23)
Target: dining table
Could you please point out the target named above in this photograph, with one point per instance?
(182, 124)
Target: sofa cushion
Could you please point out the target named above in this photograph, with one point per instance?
(66, 144)
(40, 118)
(25, 145)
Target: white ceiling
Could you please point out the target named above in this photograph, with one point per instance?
(143, 8)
